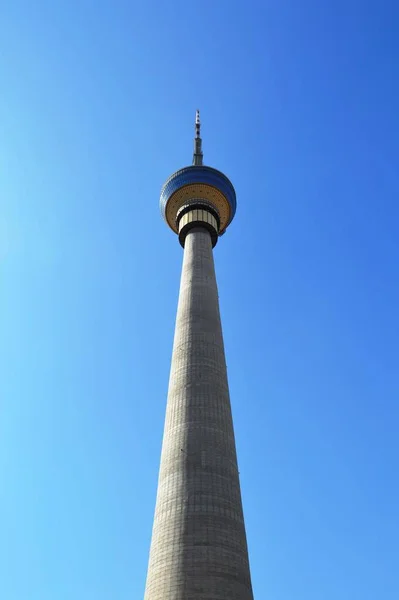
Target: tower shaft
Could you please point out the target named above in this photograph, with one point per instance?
(198, 548)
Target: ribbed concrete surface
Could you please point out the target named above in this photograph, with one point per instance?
(198, 548)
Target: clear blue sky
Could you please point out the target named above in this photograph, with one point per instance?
(299, 103)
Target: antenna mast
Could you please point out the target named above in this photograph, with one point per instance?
(197, 156)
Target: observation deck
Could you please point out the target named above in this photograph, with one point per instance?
(198, 187)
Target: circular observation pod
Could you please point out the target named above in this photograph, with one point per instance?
(198, 194)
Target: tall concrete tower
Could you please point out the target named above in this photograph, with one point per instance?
(198, 548)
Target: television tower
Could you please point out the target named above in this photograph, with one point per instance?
(198, 548)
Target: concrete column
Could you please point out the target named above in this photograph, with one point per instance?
(198, 548)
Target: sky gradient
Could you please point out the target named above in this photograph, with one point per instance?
(299, 108)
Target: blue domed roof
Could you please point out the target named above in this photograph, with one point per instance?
(198, 174)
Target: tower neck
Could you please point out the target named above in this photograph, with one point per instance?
(197, 156)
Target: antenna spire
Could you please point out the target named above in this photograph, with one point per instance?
(197, 156)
